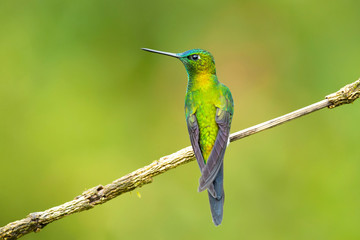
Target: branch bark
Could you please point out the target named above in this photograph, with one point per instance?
(34, 222)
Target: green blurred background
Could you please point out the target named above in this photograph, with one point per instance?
(82, 105)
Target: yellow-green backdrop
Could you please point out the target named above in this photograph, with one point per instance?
(82, 105)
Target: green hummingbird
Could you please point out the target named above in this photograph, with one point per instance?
(209, 108)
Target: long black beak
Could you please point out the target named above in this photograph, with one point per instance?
(161, 52)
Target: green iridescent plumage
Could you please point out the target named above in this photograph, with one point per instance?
(208, 109)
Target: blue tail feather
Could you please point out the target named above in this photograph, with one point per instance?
(217, 204)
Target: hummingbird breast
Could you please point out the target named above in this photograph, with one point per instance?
(203, 95)
(208, 128)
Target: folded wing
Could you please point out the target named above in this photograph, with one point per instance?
(216, 158)
(193, 129)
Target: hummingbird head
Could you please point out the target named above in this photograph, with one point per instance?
(196, 61)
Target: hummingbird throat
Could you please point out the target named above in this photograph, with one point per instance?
(202, 80)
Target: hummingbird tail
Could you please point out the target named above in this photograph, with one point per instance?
(217, 203)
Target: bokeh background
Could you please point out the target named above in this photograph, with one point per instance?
(82, 105)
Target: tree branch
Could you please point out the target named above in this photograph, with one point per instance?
(34, 222)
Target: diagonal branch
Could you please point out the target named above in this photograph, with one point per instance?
(34, 222)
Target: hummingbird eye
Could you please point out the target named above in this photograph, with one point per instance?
(194, 57)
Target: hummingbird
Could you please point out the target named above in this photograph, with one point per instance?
(209, 109)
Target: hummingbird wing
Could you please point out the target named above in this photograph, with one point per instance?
(193, 129)
(216, 158)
